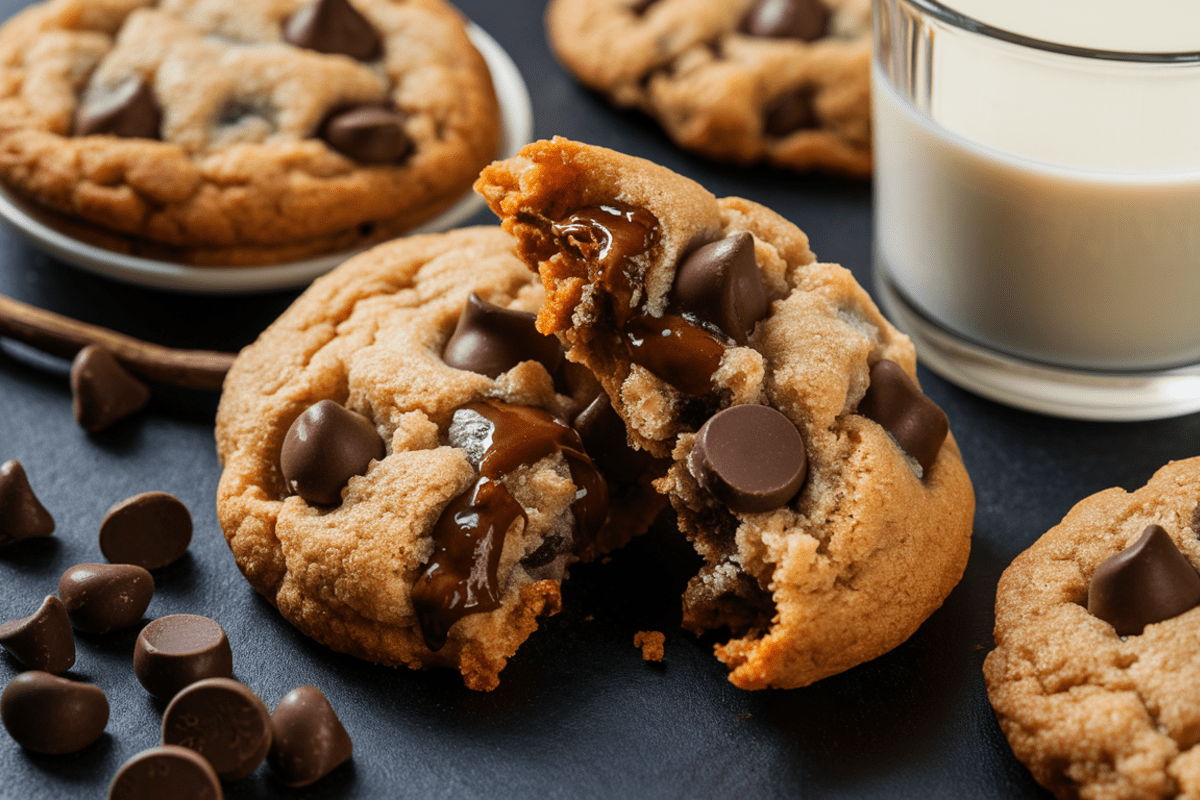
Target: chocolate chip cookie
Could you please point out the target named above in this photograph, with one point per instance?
(821, 487)
(406, 459)
(241, 131)
(1097, 656)
(781, 81)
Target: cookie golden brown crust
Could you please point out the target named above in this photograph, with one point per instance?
(1091, 713)
(370, 336)
(239, 176)
(712, 87)
(873, 543)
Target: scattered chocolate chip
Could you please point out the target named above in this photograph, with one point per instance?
(21, 515)
(334, 27)
(53, 715)
(787, 19)
(1147, 582)
(719, 284)
(750, 457)
(913, 420)
(222, 720)
(309, 740)
(166, 771)
(127, 109)
(150, 530)
(604, 438)
(104, 391)
(491, 340)
(370, 134)
(790, 112)
(42, 640)
(175, 651)
(99, 598)
(324, 448)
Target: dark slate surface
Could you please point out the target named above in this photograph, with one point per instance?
(577, 714)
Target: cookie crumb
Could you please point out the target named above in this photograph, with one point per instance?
(651, 643)
(742, 717)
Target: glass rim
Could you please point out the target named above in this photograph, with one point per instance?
(939, 11)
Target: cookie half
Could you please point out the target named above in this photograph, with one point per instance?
(781, 81)
(1092, 707)
(398, 487)
(241, 131)
(689, 309)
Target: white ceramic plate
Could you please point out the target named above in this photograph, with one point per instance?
(516, 112)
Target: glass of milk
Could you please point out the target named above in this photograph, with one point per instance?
(1037, 198)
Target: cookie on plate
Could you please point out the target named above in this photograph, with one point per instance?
(241, 131)
(781, 81)
(1097, 656)
(399, 479)
(821, 487)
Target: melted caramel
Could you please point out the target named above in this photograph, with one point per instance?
(609, 239)
(682, 354)
(460, 578)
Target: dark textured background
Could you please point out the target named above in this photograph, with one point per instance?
(577, 713)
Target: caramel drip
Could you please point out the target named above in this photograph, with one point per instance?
(460, 578)
(675, 350)
(609, 238)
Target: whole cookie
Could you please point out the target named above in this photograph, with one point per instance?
(394, 506)
(781, 81)
(688, 309)
(240, 131)
(1091, 712)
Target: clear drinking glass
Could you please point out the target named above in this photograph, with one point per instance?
(1037, 199)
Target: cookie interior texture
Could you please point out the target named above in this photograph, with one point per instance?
(1092, 713)
(872, 544)
(239, 173)
(369, 336)
(721, 92)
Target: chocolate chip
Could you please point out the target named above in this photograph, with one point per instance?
(150, 530)
(104, 391)
(309, 740)
(491, 340)
(127, 109)
(21, 515)
(913, 420)
(324, 448)
(222, 720)
(1147, 582)
(42, 640)
(790, 112)
(53, 715)
(175, 651)
(604, 438)
(787, 19)
(370, 134)
(99, 598)
(719, 284)
(335, 27)
(166, 771)
(750, 457)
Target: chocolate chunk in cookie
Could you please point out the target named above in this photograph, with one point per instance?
(805, 20)
(22, 516)
(913, 420)
(334, 26)
(806, 514)
(491, 340)
(1147, 582)
(127, 109)
(324, 448)
(370, 134)
(750, 457)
